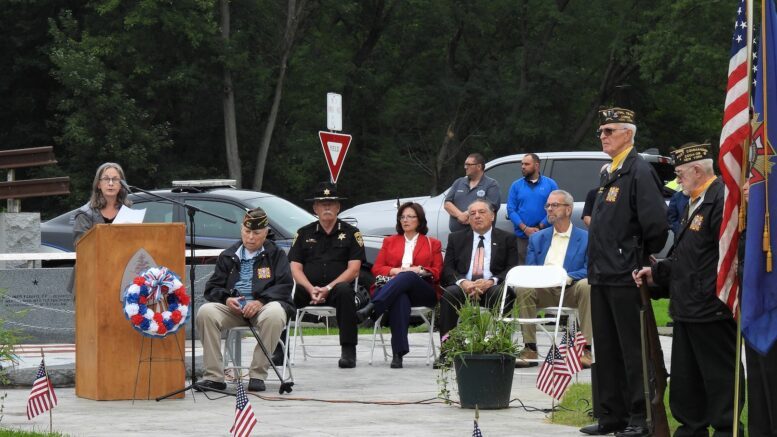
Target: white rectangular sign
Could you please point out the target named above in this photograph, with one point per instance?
(334, 111)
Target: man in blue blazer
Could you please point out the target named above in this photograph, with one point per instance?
(565, 245)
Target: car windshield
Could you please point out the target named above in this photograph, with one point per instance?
(285, 214)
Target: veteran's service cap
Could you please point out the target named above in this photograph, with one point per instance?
(690, 152)
(615, 115)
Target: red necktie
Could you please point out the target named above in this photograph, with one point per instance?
(480, 257)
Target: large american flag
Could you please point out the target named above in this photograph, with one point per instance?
(42, 397)
(245, 420)
(554, 376)
(736, 128)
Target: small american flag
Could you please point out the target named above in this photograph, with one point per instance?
(580, 340)
(42, 397)
(476, 432)
(569, 352)
(245, 420)
(554, 376)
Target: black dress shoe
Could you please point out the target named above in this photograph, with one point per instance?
(396, 362)
(633, 431)
(365, 313)
(597, 429)
(347, 357)
(206, 384)
(256, 385)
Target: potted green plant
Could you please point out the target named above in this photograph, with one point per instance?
(482, 353)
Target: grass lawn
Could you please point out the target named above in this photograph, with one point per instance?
(576, 406)
(661, 311)
(17, 433)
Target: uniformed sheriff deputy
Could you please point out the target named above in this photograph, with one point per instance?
(704, 331)
(326, 257)
(628, 204)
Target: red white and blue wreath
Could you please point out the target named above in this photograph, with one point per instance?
(156, 302)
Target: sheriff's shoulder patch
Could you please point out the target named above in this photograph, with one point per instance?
(358, 237)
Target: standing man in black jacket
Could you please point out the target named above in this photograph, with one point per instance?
(252, 282)
(628, 204)
(704, 331)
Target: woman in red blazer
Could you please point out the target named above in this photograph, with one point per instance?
(413, 263)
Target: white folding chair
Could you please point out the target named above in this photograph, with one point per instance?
(324, 311)
(232, 354)
(427, 315)
(539, 277)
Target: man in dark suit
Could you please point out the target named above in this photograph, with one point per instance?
(562, 245)
(476, 262)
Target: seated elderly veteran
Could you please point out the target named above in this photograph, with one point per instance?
(476, 262)
(325, 257)
(252, 282)
(412, 263)
(562, 245)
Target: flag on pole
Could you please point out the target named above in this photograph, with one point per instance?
(476, 432)
(580, 341)
(736, 128)
(42, 397)
(245, 420)
(759, 294)
(568, 351)
(554, 376)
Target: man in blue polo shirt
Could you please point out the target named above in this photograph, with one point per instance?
(526, 202)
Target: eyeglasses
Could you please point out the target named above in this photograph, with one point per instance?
(679, 173)
(467, 164)
(110, 181)
(607, 131)
(408, 217)
(555, 205)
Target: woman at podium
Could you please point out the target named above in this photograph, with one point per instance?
(107, 197)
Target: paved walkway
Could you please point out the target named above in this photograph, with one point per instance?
(366, 401)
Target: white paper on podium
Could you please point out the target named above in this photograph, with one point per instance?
(129, 215)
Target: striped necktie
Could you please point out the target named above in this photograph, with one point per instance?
(480, 257)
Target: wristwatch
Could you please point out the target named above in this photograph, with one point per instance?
(328, 287)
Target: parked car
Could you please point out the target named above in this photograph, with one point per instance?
(216, 196)
(576, 172)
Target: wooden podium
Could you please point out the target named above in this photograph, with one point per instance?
(109, 365)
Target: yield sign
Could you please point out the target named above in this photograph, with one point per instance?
(335, 147)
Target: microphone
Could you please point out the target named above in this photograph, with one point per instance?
(125, 185)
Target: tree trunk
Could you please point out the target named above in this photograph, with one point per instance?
(230, 125)
(295, 13)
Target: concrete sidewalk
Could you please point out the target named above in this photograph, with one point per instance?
(327, 401)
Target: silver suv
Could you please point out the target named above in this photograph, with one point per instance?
(576, 172)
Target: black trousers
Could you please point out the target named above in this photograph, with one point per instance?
(342, 298)
(761, 392)
(454, 297)
(402, 292)
(615, 317)
(701, 392)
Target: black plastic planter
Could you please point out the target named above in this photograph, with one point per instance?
(484, 380)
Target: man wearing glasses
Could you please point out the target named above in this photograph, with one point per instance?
(628, 205)
(250, 284)
(561, 245)
(465, 190)
(525, 202)
(326, 257)
(704, 331)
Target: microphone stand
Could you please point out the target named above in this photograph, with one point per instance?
(191, 210)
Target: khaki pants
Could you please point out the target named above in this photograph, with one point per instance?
(214, 318)
(577, 296)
